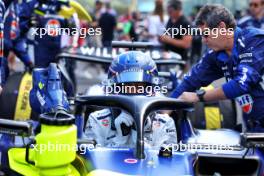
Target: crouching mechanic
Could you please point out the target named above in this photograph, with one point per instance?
(133, 71)
(237, 55)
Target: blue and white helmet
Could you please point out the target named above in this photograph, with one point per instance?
(133, 67)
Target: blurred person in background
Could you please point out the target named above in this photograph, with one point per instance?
(133, 33)
(107, 22)
(176, 43)
(256, 17)
(196, 49)
(98, 10)
(107, 7)
(126, 27)
(14, 45)
(95, 40)
(238, 15)
(156, 22)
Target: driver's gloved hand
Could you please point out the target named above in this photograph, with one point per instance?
(123, 123)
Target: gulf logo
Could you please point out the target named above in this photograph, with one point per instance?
(105, 122)
(53, 27)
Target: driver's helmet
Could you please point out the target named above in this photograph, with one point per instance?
(133, 68)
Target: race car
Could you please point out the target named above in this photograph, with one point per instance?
(203, 152)
(57, 126)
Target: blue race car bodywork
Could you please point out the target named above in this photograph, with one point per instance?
(199, 152)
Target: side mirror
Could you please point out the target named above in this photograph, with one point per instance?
(250, 140)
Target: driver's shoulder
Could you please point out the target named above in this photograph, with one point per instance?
(100, 114)
(164, 118)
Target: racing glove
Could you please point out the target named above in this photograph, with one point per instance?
(124, 120)
(163, 130)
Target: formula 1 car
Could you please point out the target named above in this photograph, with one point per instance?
(200, 148)
(219, 152)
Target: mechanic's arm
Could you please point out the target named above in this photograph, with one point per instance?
(185, 42)
(247, 76)
(201, 75)
(249, 71)
(20, 50)
(210, 95)
(26, 15)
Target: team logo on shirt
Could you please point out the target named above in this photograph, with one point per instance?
(52, 27)
(105, 122)
(246, 103)
(13, 31)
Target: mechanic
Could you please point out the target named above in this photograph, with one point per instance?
(44, 14)
(2, 11)
(235, 54)
(12, 41)
(256, 17)
(134, 70)
(3, 6)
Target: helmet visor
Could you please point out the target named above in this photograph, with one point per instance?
(132, 76)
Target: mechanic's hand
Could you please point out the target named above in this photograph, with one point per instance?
(123, 118)
(189, 97)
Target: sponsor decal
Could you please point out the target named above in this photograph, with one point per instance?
(23, 109)
(113, 53)
(244, 55)
(131, 161)
(105, 122)
(41, 85)
(244, 77)
(52, 26)
(40, 99)
(246, 103)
